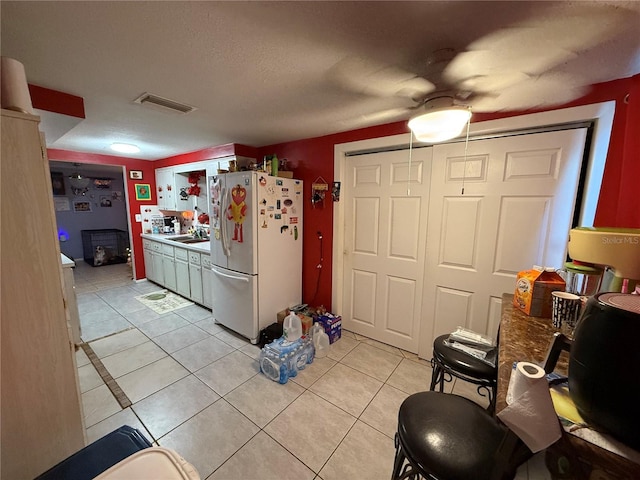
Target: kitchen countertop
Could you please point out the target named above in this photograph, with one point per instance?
(66, 261)
(202, 247)
(522, 339)
(525, 338)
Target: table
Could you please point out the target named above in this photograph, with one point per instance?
(525, 338)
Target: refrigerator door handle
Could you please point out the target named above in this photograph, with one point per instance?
(224, 236)
(226, 275)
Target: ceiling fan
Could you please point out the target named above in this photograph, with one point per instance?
(518, 67)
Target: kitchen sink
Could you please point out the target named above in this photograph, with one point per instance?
(194, 240)
(188, 239)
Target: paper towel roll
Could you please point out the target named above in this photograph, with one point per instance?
(530, 413)
(14, 89)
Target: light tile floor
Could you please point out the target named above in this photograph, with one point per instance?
(196, 388)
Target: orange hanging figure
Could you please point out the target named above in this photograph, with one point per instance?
(237, 211)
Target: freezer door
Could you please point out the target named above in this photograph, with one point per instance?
(238, 229)
(235, 301)
(216, 190)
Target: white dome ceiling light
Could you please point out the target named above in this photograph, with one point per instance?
(124, 148)
(441, 120)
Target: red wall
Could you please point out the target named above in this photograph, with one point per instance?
(312, 159)
(208, 154)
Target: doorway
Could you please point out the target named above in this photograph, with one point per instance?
(98, 201)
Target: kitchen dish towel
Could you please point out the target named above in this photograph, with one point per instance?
(530, 413)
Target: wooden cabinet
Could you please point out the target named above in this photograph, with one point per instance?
(70, 299)
(42, 420)
(165, 188)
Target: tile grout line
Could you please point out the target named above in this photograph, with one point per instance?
(109, 381)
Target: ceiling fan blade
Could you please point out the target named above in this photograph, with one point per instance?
(530, 48)
(543, 91)
(376, 118)
(512, 64)
(367, 77)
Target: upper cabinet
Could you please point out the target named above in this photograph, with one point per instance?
(166, 188)
(184, 187)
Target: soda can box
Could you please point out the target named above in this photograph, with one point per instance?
(332, 326)
(533, 291)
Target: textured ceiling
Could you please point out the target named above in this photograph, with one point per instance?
(261, 73)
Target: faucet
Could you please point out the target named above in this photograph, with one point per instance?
(201, 233)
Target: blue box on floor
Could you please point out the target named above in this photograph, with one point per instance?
(332, 326)
(98, 456)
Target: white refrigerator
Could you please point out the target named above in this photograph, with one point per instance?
(256, 249)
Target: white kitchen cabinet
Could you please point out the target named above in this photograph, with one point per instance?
(147, 250)
(158, 268)
(166, 188)
(42, 419)
(169, 267)
(207, 294)
(195, 277)
(182, 272)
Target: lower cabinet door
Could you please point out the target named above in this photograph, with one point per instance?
(195, 277)
(169, 269)
(182, 279)
(158, 268)
(148, 265)
(207, 293)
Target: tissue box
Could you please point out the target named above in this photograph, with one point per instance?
(533, 291)
(332, 326)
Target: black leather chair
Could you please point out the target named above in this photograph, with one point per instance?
(448, 437)
(448, 362)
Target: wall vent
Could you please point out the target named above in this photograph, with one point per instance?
(161, 103)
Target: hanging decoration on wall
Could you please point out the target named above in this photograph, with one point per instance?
(102, 183)
(194, 178)
(319, 189)
(81, 206)
(335, 192)
(57, 183)
(143, 191)
(79, 184)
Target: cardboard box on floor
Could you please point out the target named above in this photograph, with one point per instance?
(306, 321)
(533, 291)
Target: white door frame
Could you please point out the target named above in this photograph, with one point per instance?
(602, 113)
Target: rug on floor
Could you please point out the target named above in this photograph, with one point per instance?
(163, 301)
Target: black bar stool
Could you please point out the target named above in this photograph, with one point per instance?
(454, 363)
(448, 437)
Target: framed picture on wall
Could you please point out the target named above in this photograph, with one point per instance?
(143, 191)
(135, 174)
(57, 183)
(81, 206)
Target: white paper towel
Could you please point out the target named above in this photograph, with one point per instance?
(14, 90)
(530, 413)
